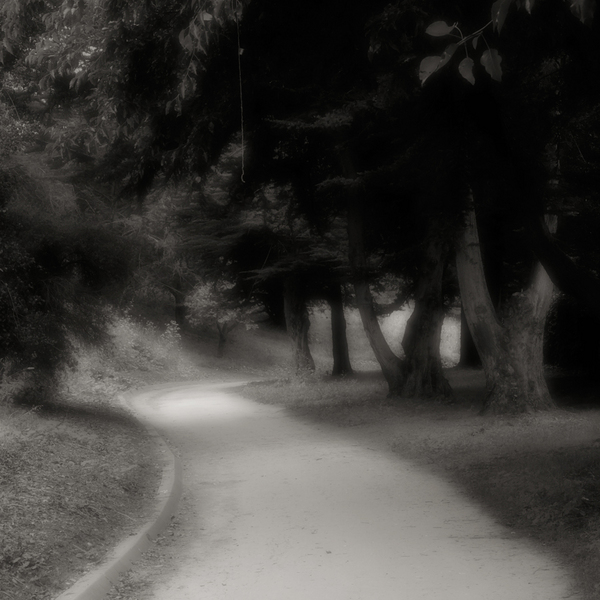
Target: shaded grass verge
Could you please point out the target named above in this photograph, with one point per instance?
(538, 475)
(73, 483)
(77, 471)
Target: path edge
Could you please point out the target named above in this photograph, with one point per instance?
(95, 584)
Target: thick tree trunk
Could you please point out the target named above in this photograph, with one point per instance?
(273, 303)
(390, 364)
(424, 377)
(568, 277)
(180, 311)
(339, 341)
(223, 330)
(524, 324)
(511, 349)
(298, 324)
(468, 351)
(178, 294)
(572, 339)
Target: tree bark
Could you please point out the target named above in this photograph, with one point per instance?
(297, 323)
(568, 277)
(180, 311)
(223, 330)
(424, 377)
(510, 346)
(572, 339)
(391, 365)
(339, 341)
(178, 294)
(468, 352)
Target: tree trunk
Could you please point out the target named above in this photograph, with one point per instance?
(390, 364)
(511, 348)
(223, 330)
(424, 377)
(341, 357)
(179, 297)
(572, 339)
(468, 352)
(180, 311)
(272, 300)
(568, 277)
(297, 323)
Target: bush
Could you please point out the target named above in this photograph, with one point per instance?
(141, 344)
(54, 264)
(15, 133)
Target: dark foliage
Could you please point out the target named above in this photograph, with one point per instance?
(53, 270)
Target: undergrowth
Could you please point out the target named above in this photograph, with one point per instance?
(76, 471)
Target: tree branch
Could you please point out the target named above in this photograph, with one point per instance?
(564, 273)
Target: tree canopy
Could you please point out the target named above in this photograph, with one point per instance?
(334, 143)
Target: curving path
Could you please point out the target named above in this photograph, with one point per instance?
(286, 510)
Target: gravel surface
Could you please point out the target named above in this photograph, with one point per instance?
(276, 507)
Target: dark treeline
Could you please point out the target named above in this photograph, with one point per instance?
(257, 156)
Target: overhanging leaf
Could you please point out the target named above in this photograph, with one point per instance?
(475, 42)
(447, 55)
(431, 64)
(439, 29)
(499, 12)
(465, 68)
(583, 9)
(491, 60)
(185, 40)
(428, 66)
(8, 45)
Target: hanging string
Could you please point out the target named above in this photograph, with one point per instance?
(239, 49)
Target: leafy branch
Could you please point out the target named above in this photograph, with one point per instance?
(490, 58)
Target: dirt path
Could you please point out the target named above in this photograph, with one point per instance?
(279, 509)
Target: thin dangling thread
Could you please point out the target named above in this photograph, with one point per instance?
(237, 22)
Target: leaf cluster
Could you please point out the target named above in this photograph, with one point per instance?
(53, 268)
(490, 58)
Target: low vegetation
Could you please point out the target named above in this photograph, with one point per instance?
(77, 472)
(74, 481)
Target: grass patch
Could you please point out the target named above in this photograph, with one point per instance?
(73, 482)
(537, 474)
(77, 472)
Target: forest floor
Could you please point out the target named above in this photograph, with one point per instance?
(539, 475)
(75, 478)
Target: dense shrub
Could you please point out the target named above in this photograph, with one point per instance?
(54, 265)
(15, 132)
